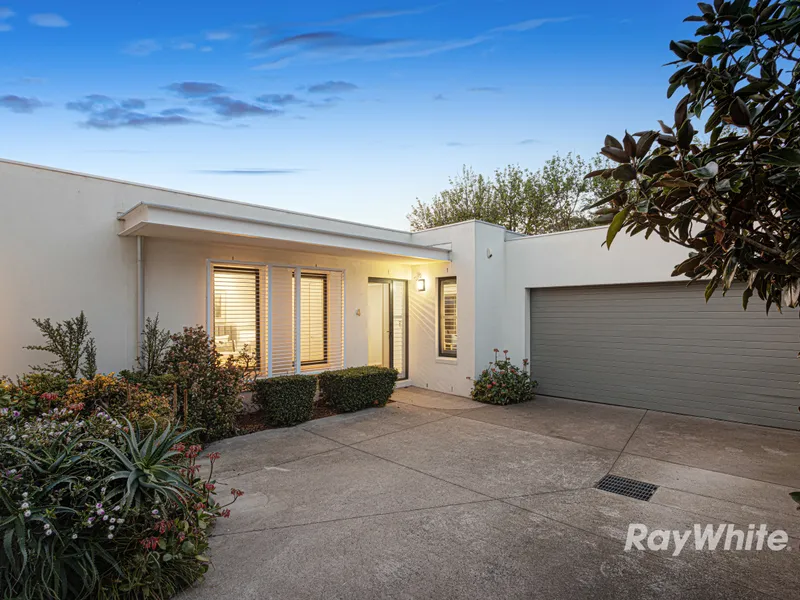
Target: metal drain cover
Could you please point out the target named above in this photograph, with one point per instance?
(627, 487)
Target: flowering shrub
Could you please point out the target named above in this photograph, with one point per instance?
(503, 383)
(90, 507)
(120, 398)
(33, 393)
(212, 384)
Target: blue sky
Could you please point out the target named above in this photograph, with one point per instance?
(351, 109)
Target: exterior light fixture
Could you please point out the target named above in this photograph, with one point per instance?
(420, 285)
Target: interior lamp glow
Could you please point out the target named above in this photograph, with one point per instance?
(420, 285)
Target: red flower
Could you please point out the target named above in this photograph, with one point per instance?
(236, 493)
(150, 543)
(209, 486)
(178, 448)
(225, 513)
(213, 456)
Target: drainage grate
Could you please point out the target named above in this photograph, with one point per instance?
(627, 487)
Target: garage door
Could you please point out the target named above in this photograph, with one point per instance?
(659, 346)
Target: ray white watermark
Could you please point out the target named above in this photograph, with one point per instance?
(725, 536)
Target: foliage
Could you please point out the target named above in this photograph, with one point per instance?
(33, 393)
(91, 507)
(153, 348)
(118, 397)
(357, 388)
(286, 400)
(70, 341)
(503, 383)
(734, 201)
(212, 385)
(550, 199)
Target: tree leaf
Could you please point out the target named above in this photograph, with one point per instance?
(616, 225)
(739, 113)
(624, 173)
(630, 145)
(613, 142)
(682, 111)
(615, 154)
(707, 172)
(659, 164)
(711, 45)
(785, 157)
(666, 128)
(748, 293)
(707, 9)
(645, 143)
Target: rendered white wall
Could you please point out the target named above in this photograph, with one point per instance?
(176, 283)
(60, 254)
(428, 370)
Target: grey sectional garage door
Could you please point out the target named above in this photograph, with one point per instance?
(659, 346)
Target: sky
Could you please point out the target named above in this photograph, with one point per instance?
(350, 109)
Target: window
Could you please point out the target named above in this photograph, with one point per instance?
(237, 315)
(313, 319)
(291, 326)
(448, 317)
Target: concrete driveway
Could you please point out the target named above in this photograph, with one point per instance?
(438, 497)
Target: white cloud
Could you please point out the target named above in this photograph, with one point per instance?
(532, 24)
(6, 13)
(142, 47)
(206, 49)
(5, 27)
(48, 20)
(218, 36)
(185, 46)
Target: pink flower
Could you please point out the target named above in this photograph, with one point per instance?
(236, 493)
(225, 513)
(209, 486)
(213, 457)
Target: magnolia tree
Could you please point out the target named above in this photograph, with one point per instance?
(733, 200)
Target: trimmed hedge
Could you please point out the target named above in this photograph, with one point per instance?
(286, 400)
(356, 388)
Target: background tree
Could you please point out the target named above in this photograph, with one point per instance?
(550, 199)
(735, 201)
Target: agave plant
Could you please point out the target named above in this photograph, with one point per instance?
(146, 464)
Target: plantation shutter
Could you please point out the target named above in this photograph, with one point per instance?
(308, 326)
(399, 327)
(335, 320)
(237, 310)
(281, 321)
(448, 317)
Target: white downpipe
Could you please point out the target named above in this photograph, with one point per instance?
(139, 293)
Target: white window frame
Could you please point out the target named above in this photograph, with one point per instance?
(266, 320)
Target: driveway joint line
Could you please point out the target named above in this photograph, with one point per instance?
(351, 444)
(355, 517)
(630, 437)
(555, 437)
(671, 462)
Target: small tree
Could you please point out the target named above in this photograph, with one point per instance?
(70, 341)
(734, 201)
(547, 200)
(153, 348)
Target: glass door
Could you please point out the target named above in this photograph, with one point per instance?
(387, 324)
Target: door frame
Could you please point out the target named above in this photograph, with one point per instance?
(390, 281)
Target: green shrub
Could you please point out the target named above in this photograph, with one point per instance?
(92, 507)
(503, 383)
(33, 393)
(212, 385)
(286, 400)
(74, 349)
(356, 388)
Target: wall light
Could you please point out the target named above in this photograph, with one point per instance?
(420, 285)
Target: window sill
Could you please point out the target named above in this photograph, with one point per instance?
(446, 360)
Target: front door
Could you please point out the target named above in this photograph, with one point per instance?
(387, 324)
